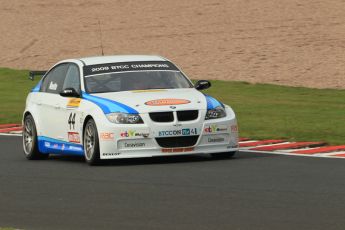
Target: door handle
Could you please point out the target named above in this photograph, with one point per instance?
(57, 106)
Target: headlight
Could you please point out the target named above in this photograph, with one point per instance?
(215, 113)
(124, 118)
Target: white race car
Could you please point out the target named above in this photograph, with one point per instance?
(127, 106)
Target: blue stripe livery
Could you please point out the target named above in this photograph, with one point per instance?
(212, 103)
(50, 145)
(109, 106)
(37, 87)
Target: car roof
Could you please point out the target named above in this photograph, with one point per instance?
(119, 58)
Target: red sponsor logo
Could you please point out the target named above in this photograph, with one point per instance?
(129, 133)
(177, 150)
(133, 133)
(107, 136)
(73, 137)
(215, 128)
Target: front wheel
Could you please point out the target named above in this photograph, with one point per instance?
(223, 155)
(30, 143)
(91, 143)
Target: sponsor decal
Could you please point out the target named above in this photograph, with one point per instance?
(111, 154)
(177, 150)
(215, 128)
(106, 136)
(133, 133)
(73, 102)
(134, 145)
(215, 139)
(234, 128)
(232, 146)
(53, 86)
(50, 145)
(167, 101)
(73, 137)
(128, 66)
(178, 132)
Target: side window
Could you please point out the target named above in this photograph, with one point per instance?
(72, 78)
(54, 80)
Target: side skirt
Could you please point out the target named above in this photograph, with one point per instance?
(50, 145)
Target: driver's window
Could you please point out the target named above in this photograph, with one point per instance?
(72, 78)
(53, 81)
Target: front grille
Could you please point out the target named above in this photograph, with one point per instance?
(187, 115)
(162, 116)
(175, 142)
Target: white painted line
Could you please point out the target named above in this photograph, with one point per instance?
(249, 141)
(307, 148)
(267, 145)
(330, 153)
(289, 154)
(11, 134)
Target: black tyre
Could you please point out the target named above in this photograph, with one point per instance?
(91, 143)
(30, 143)
(223, 155)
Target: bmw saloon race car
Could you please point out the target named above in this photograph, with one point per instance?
(125, 106)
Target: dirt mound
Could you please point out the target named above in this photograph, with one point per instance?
(295, 42)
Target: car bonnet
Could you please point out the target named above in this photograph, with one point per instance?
(145, 101)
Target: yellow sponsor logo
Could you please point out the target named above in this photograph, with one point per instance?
(73, 102)
(167, 101)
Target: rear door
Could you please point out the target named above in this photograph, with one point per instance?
(51, 112)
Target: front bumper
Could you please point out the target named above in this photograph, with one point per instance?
(133, 141)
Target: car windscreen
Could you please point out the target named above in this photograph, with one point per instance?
(116, 77)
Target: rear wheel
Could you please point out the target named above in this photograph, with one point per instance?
(223, 155)
(30, 143)
(91, 143)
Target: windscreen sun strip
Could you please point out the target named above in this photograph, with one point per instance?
(128, 66)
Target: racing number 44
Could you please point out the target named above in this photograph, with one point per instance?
(71, 120)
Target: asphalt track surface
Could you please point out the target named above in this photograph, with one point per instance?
(250, 191)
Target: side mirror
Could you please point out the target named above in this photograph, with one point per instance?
(202, 84)
(69, 92)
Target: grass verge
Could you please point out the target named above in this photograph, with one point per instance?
(263, 110)
(14, 87)
(293, 113)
